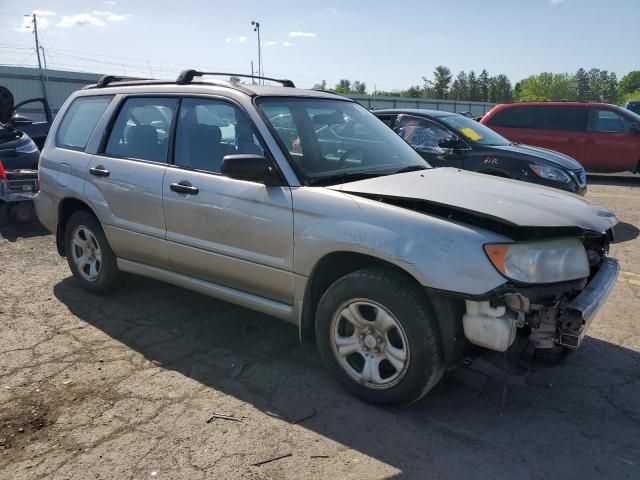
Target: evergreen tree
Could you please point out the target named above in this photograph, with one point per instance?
(474, 86)
(460, 88)
(583, 92)
(484, 85)
(441, 81)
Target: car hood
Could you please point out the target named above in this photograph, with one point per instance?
(541, 155)
(469, 196)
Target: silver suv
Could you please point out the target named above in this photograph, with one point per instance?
(303, 205)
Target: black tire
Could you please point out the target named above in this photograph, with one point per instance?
(22, 213)
(397, 294)
(107, 273)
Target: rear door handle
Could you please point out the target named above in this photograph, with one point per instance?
(99, 171)
(184, 186)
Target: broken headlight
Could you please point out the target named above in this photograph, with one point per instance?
(540, 262)
(550, 173)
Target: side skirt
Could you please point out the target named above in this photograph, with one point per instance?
(231, 295)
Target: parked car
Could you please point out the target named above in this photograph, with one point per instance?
(14, 116)
(602, 137)
(393, 267)
(447, 139)
(634, 106)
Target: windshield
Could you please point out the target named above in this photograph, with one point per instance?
(331, 141)
(473, 131)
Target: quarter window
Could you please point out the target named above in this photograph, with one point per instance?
(208, 130)
(80, 120)
(142, 129)
(514, 117)
(605, 120)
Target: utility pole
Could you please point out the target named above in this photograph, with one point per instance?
(256, 28)
(44, 57)
(253, 80)
(35, 31)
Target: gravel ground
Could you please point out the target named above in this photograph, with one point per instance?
(125, 386)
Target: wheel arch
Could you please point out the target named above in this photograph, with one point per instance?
(67, 207)
(447, 310)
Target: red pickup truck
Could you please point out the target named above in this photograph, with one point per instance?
(602, 137)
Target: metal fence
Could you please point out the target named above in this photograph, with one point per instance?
(25, 83)
(373, 102)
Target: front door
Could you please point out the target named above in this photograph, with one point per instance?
(125, 179)
(610, 144)
(235, 233)
(424, 136)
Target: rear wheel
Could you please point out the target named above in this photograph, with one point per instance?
(377, 336)
(89, 255)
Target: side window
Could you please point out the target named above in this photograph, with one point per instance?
(79, 122)
(388, 120)
(559, 117)
(421, 134)
(282, 121)
(208, 130)
(605, 120)
(515, 117)
(142, 129)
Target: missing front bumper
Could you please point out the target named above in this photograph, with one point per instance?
(582, 309)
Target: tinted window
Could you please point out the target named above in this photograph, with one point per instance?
(473, 131)
(516, 116)
(421, 134)
(559, 117)
(606, 120)
(79, 122)
(142, 129)
(208, 130)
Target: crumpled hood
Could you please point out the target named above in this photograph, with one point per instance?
(548, 157)
(510, 202)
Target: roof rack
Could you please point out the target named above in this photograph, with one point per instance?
(105, 80)
(187, 76)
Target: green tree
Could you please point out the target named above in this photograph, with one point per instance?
(634, 95)
(548, 86)
(474, 86)
(460, 87)
(320, 86)
(359, 87)
(500, 90)
(343, 86)
(483, 78)
(441, 81)
(611, 93)
(583, 91)
(629, 83)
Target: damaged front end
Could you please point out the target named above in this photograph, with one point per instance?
(544, 316)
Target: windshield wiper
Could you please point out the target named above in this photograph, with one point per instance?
(410, 168)
(343, 178)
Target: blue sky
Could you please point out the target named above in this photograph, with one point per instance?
(387, 44)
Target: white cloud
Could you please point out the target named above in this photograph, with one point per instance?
(242, 39)
(332, 10)
(301, 34)
(556, 2)
(270, 43)
(110, 16)
(109, 2)
(287, 44)
(80, 19)
(44, 21)
(228, 40)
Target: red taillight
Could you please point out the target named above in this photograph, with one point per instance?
(3, 173)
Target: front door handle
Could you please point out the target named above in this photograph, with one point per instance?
(99, 171)
(184, 186)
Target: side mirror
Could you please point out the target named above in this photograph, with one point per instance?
(450, 142)
(20, 120)
(253, 168)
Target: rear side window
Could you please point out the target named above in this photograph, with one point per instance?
(559, 117)
(517, 116)
(142, 129)
(79, 122)
(606, 120)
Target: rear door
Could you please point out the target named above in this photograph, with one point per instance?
(124, 181)
(235, 233)
(610, 144)
(561, 128)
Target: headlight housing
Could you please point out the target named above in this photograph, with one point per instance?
(28, 147)
(540, 262)
(551, 173)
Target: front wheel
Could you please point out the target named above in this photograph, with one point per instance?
(89, 254)
(379, 338)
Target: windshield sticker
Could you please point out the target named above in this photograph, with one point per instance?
(471, 134)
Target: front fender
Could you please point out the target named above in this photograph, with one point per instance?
(438, 253)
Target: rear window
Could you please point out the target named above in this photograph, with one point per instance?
(516, 116)
(80, 120)
(560, 117)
